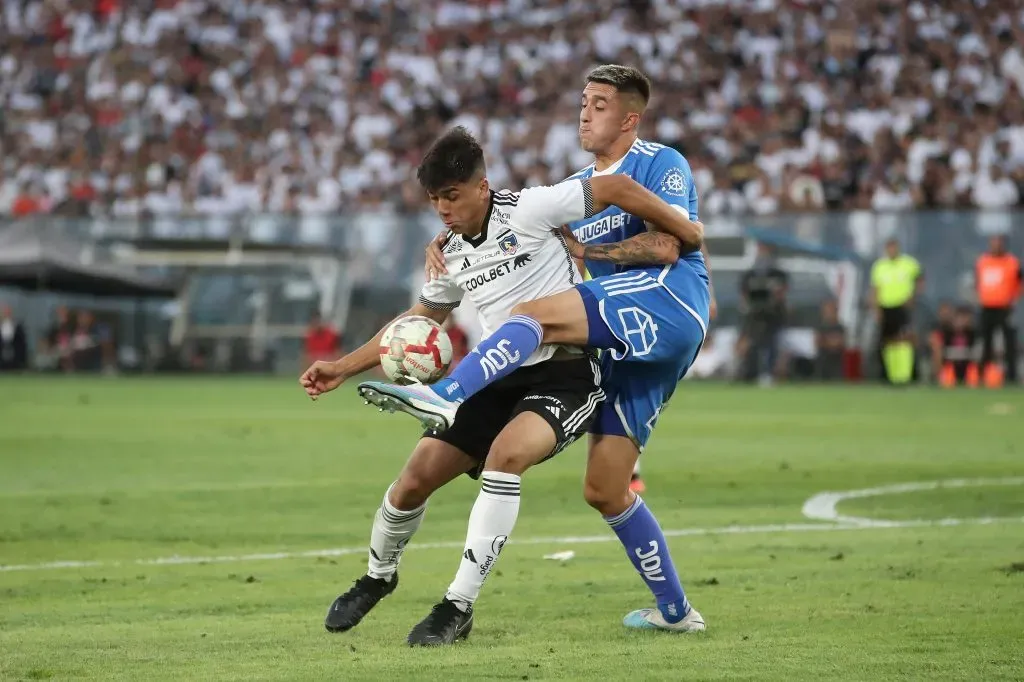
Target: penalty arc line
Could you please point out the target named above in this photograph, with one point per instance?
(822, 507)
(570, 540)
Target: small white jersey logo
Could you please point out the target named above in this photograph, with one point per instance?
(674, 183)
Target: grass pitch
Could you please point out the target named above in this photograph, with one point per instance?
(191, 513)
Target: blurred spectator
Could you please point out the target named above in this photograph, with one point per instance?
(13, 344)
(55, 351)
(272, 105)
(994, 189)
(763, 291)
(830, 342)
(89, 343)
(999, 281)
(322, 341)
(896, 280)
(942, 328)
(723, 199)
(958, 349)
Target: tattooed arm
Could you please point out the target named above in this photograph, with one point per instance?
(648, 248)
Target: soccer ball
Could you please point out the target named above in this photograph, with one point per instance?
(414, 349)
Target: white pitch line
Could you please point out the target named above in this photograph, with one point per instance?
(571, 540)
(822, 507)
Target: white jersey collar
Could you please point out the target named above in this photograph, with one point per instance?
(615, 166)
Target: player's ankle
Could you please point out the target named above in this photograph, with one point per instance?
(448, 389)
(675, 611)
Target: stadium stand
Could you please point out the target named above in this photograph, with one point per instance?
(166, 108)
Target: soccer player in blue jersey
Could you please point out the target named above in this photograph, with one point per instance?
(651, 319)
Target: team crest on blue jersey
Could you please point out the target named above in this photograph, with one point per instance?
(509, 245)
(674, 182)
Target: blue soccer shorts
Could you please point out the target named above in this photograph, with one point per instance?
(651, 322)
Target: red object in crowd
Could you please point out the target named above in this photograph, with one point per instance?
(57, 30)
(852, 364)
(322, 343)
(299, 56)
(83, 191)
(378, 77)
(107, 116)
(193, 66)
(105, 8)
(748, 114)
(26, 205)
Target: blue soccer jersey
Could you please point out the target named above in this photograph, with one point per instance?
(653, 320)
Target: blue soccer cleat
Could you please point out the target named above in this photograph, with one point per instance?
(433, 411)
(651, 619)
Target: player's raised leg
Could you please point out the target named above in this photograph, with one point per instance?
(432, 464)
(610, 462)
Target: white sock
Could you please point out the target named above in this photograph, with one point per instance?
(490, 523)
(636, 468)
(392, 529)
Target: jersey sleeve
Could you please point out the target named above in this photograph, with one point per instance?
(441, 294)
(669, 176)
(543, 209)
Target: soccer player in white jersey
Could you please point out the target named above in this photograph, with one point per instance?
(503, 248)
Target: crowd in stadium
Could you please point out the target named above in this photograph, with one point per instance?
(169, 107)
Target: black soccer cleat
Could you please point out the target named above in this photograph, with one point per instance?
(446, 624)
(351, 607)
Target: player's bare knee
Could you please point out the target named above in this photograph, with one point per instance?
(511, 455)
(509, 460)
(415, 484)
(410, 491)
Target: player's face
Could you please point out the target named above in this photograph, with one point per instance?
(604, 118)
(461, 205)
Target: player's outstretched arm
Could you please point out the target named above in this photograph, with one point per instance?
(634, 198)
(322, 376)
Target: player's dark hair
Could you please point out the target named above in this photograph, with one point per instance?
(626, 79)
(455, 157)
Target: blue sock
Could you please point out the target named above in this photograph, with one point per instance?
(645, 545)
(495, 357)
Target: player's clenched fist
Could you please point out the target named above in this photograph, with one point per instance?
(320, 378)
(434, 266)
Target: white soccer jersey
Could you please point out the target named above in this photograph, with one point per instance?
(520, 256)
